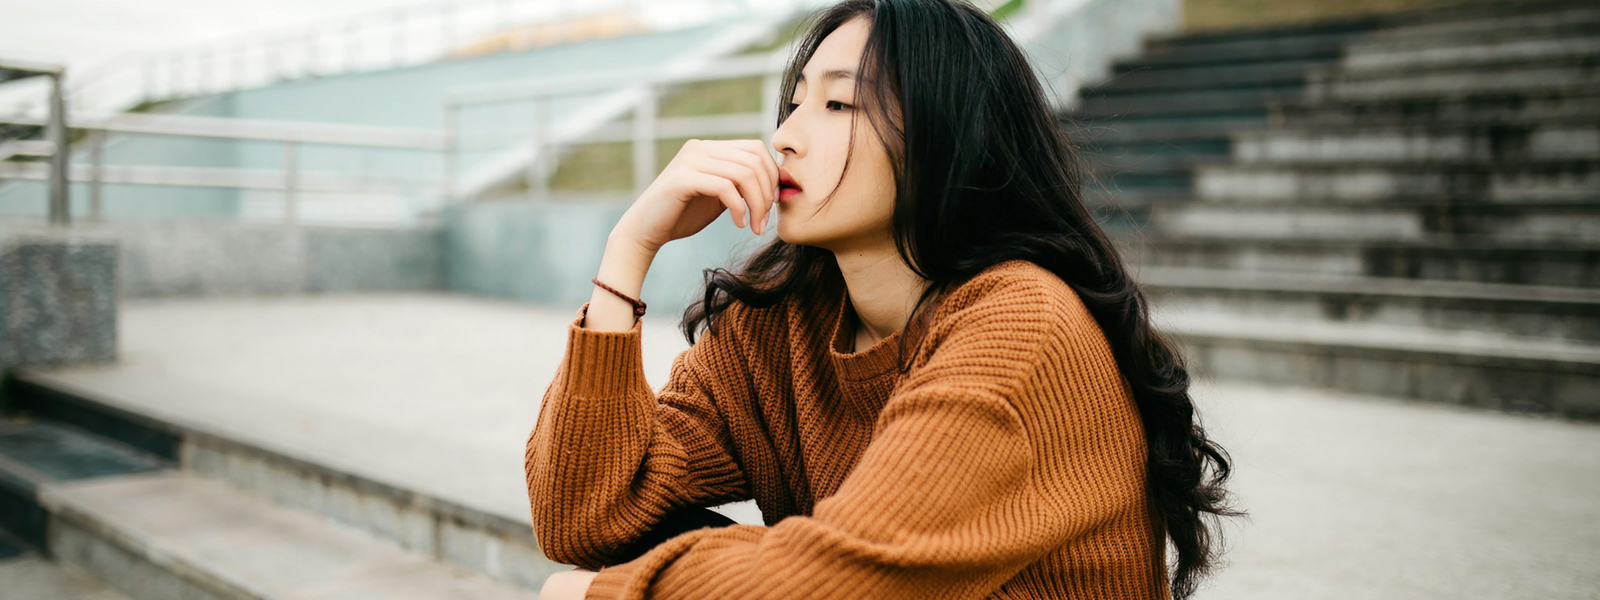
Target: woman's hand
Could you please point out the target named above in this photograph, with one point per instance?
(703, 179)
(567, 585)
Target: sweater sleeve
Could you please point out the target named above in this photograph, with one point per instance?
(609, 458)
(1013, 439)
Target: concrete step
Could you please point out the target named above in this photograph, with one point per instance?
(1549, 264)
(1575, 42)
(1141, 131)
(1509, 107)
(33, 575)
(1490, 180)
(127, 517)
(1177, 106)
(1573, 223)
(1555, 313)
(1224, 76)
(176, 534)
(1259, 41)
(1514, 19)
(477, 549)
(1317, 47)
(1152, 164)
(1522, 375)
(1554, 139)
(1525, 77)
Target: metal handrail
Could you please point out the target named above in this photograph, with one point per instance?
(382, 39)
(290, 180)
(647, 125)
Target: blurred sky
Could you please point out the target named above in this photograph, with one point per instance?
(86, 32)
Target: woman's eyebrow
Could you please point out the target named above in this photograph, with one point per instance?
(831, 74)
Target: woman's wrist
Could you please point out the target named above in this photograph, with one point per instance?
(623, 266)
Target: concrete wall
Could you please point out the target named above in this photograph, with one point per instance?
(547, 252)
(57, 297)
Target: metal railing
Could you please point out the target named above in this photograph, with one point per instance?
(383, 39)
(646, 126)
(55, 131)
(1046, 28)
(1047, 20)
(290, 179)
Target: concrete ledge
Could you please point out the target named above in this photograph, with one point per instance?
(446, 531)
(173, 535)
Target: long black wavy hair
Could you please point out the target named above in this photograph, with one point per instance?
(984, 173)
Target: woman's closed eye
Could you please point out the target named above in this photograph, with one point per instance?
(843, 106)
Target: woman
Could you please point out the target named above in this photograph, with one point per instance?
(938, 382)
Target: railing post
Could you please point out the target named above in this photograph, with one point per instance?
(540, 167)
(56, 132)
(97, 162)
(452, 141)
(291, 182)
(644, 139)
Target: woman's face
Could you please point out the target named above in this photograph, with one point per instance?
(813, 142)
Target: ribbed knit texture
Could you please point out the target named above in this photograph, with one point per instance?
(1008, 462)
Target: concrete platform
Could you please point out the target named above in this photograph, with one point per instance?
(438, 392)
(34, 576)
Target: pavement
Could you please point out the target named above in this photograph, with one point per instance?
(1349, 496)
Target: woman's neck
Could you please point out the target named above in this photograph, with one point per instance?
(882, 289)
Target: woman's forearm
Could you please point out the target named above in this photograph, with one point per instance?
(622, 266)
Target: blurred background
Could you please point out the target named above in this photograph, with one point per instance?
(282, 284)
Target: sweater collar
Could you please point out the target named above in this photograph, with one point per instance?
(881, 359)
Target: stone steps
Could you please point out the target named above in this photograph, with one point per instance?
(1489, 180)
(212, 514)
(1548, 264)
(1497, 372)
(1488, 21)
(1572, 223)
(1483, 140)
(1538, 76)
(1568, 315)
(1510, 107)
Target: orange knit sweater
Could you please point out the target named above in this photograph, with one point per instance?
(1007, 462)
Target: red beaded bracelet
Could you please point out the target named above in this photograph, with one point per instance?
(638, 305)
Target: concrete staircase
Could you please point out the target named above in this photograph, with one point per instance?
(158, 509)
(1406, 206)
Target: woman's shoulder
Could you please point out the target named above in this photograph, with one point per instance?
(1019, 289)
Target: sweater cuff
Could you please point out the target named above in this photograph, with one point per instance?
(612, 582)
(604, 364)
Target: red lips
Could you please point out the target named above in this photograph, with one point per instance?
(784, 180)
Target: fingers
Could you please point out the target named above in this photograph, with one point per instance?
(766, 179)
(745, 175)
(723, 189)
